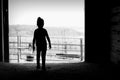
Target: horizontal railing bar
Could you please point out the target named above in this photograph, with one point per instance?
(67, 50)
(51, 43)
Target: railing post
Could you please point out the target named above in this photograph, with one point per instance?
(81, 48)
(20, 46)
(17, 50)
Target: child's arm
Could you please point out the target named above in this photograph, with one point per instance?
(33, 42)
(48, 40)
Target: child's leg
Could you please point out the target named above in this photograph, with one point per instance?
(43, 59)
(38, 58)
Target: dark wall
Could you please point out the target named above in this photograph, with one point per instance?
(4, 55)
(6, 31)
(0, 32)
(97, 32)
(115, 29)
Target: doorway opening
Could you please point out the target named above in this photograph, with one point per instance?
(65, 25)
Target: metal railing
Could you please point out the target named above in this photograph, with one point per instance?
(61, 46)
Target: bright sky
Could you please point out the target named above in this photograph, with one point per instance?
(56, 13)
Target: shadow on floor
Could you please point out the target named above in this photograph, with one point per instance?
(61, 71)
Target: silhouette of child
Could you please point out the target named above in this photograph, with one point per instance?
(39, 38)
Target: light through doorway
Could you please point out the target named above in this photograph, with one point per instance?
(64, 21)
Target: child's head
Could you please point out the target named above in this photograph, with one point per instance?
(40, 22)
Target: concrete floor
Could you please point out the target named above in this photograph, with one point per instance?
(60, 71)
